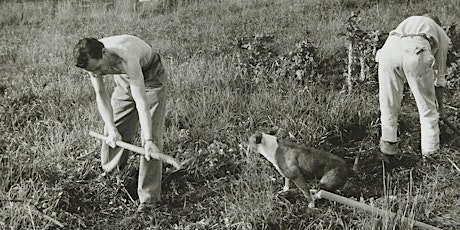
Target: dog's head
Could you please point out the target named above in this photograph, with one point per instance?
(263, 143)
(254, 140)
(258, 138)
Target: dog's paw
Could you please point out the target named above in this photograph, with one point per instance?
(313, 194)
(285, 189)
(311, 204)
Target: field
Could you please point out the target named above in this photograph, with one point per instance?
(236, 67)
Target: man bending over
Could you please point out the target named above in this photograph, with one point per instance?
(138, 98)
(416, 52)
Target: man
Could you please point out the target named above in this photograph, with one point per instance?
(416, 52)
(138, 98)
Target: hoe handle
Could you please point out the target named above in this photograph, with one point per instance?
(452, 127)
(139, 150)
(367, 208)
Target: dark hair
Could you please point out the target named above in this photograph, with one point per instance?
(87, 48)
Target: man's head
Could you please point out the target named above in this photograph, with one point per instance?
(87, 52)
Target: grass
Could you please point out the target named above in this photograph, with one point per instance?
(49, 164)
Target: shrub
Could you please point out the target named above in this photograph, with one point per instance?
(300, 65)
(259, 61)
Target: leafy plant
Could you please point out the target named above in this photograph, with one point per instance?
(259, 61)
(362, 47)
(257, 57)
(300, 65)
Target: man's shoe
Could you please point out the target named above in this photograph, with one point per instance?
(145, 207)
(389, 148)
(430, 156)
(101, 177)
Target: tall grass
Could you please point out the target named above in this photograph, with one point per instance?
(49, 165)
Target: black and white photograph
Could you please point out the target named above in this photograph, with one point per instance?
(230, 114)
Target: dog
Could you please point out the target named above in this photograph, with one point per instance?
(300, 163)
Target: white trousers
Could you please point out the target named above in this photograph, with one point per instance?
(127, 122)
(408, 59)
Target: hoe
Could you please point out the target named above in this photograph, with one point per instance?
(165, 158)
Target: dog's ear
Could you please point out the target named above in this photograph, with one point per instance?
(258, 137)
(274, 131)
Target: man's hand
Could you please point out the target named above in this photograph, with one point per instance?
(112, 138)
(150, 149)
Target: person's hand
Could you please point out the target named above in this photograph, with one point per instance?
(150, 149)
(112, 138)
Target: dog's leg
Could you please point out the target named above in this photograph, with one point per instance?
(286, 184)
(291, 171)
(302, 185)
(333, 179)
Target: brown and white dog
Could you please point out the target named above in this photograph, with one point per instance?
(299, 164)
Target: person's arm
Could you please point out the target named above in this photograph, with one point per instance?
(137, 86)
(136, 81)
(440, 71)
(105, 109)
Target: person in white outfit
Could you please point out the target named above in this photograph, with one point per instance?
(416, 52)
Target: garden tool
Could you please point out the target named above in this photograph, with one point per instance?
(139, 150)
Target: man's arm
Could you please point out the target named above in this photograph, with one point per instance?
(440, 70)
(136, 81)
(105, 109)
